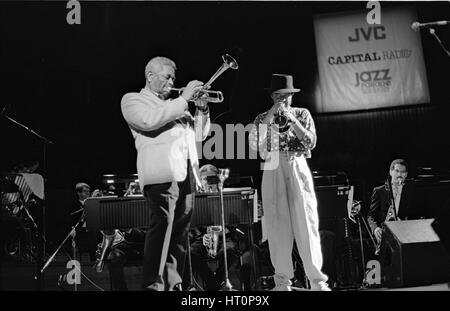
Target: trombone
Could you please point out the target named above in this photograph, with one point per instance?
(206, 94)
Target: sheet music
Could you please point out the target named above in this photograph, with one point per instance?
(36, 184)
(350, 204)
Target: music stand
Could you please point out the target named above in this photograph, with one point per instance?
(356, 213)
(41, 231)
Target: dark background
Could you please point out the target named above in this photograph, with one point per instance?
(66, 82)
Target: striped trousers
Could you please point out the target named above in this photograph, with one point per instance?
(290, 212)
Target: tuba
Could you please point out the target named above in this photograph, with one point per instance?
(204, 92)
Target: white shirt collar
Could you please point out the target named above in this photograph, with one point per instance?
(147, 91)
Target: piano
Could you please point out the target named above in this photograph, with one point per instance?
(240, 205)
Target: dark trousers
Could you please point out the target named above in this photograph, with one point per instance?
(121, 254)
(171, 207)
(86, 242)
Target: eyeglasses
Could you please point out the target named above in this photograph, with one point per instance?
(166, 77)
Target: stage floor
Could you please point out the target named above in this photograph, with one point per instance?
(16, 276)
(433, 287)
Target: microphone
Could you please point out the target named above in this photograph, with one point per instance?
(416, 26)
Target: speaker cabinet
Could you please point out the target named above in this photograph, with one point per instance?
(441, 226)
(411, 254)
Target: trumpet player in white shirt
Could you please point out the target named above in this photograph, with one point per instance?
(165, 136)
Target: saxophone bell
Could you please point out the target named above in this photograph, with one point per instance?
(108, 239)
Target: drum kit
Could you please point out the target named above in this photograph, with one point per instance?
(19, 229)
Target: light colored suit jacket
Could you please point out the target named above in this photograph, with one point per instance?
(165, 135)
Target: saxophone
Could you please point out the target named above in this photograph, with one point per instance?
(391, 215)
(109, 237)
(211, 241)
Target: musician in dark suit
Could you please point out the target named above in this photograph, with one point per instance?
(86, 241)
(203, 251)
(393, 200)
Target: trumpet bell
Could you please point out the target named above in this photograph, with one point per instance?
(282, 122)
(230, 61)
(205, 93)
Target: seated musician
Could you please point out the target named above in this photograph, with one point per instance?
(86, 241)
(391, 201)
(207, 257)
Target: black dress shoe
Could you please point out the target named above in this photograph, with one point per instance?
(157, 287)
(177, 288)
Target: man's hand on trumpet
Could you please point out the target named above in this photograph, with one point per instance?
(272, 112)
(288, 114)
(191, 89)
(202, 102)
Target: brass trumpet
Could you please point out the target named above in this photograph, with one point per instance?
(281, 121)
(210, 96)
(206, 94)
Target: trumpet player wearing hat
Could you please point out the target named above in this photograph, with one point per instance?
(165, 136)
(289, 200)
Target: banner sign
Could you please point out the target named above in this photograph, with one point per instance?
(364, 66)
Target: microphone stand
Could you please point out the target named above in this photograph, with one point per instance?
(222, 176)
(72, 234)
(191, 286)
(41, 242)
(359, 218)
(356, 213)
(433, 33)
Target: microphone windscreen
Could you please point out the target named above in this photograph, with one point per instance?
(415, 26)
